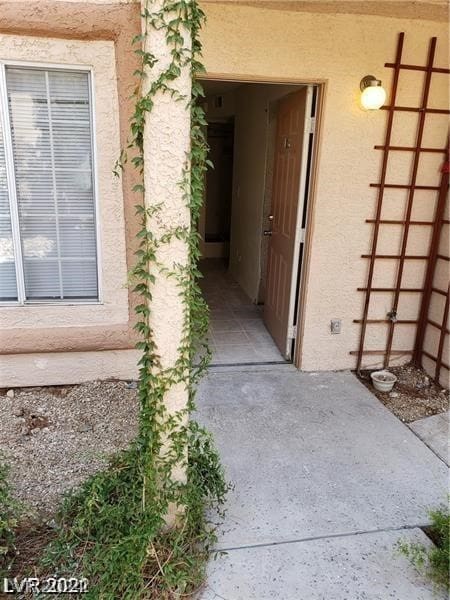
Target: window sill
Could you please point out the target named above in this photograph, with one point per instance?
(51, 303)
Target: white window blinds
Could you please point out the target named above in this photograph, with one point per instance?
(8, 282)
(51, 145)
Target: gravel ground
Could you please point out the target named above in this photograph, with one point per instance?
(414, 395)
(55, 437)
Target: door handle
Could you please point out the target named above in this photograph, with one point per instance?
(267, 232)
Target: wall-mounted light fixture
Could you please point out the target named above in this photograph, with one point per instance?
(373, 94)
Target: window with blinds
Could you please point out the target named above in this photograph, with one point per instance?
(48, 246)
(8, 280)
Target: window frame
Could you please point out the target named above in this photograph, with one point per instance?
(11, 183)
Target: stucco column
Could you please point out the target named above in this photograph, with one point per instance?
(166, 144)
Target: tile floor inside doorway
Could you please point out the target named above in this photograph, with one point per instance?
(237, 332)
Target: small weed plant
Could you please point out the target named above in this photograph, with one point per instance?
(9, 516)
(434, 560)
(108, 535)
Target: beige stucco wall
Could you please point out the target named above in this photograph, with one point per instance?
(336, 49)
(436, 310)
(339, 50)
(59, 368)
(23, 322)
(166, 150)
(406, 9)
(87, 1)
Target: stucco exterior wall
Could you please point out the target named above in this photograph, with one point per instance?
(436, 310)
(22, 326)
(59, 368)
(34, 338)
(405, 9)
(166, 148)
(339, 50)
(110, 2)
(295, 46)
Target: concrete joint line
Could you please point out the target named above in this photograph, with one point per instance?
(426, 444)
(322, 537)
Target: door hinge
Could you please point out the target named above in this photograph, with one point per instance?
(292, 332)
(312, 125)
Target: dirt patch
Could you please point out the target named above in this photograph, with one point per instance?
(414, 395)
(31, 540)
(55, 437)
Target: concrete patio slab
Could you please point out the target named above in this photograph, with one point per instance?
(358, 567)
(434, 431)
(314, 455)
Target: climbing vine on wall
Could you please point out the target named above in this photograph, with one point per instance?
(113, 531)
(163, 436)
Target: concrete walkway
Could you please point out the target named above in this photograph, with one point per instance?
(434, 433)
(326, 481)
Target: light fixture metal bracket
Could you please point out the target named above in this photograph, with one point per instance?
(369, 81)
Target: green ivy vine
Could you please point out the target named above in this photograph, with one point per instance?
(114, 530)
(163, 436)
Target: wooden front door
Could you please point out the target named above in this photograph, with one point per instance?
(284, 226)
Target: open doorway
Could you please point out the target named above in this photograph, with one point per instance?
(253, 224)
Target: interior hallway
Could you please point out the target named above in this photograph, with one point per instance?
(237, 332)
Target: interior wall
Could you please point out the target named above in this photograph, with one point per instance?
(252, 126)
(219, 182)
(225, 112)
(241, 41)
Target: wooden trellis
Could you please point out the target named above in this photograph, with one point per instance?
(392, 319)
(424, 320)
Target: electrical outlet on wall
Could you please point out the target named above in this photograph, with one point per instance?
(335, 326)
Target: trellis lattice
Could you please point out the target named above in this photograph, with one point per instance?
(432, 257)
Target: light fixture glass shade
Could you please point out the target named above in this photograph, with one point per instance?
(373, 97)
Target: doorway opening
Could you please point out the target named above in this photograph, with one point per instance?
(255, 216)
